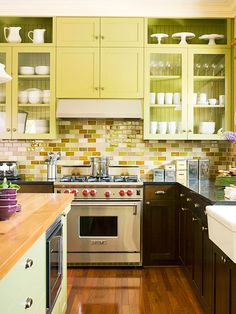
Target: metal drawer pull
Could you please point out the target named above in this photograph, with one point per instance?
(194, 219)
(184, 209)
(29, 263)
(147, 203)
(196, 205)
(204, 228)
(188, 199)
(160, 192)
(181, 195)
(28, 303)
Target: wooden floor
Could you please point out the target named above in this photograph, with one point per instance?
(156, 290)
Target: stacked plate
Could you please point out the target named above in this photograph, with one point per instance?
(8, 203)
(37, 126)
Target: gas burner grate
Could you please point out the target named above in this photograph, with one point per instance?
(125, 179)
(99, 179)
(73, 179)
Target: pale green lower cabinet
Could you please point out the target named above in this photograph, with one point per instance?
(22, 284)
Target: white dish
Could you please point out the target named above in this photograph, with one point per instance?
(183, 36)
(25, 70)
(42, 69)
(211, 38)
(207, 127)
(159, 36)
(37, 126)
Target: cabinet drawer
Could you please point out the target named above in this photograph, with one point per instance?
(159, 192)
(24, 282)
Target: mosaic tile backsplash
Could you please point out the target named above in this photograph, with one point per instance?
(119, 139)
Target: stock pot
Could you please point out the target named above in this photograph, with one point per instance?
(100, 166)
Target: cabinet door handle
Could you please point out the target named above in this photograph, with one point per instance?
(147, 203)
(96, 37)
(8, 130)
(190, 131)
(188, 199)
(29, 263)
(160, 192)
(181, 195)
(204, 228)
(96, 88)
(184, 131)
(184, 209)
(102, 88)
(102, 37)
(196, 205)
(14, 129)
(225, 260)
(194, 219)
(28, 303)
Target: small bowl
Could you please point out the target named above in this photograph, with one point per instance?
(42, 69)
(7, 211)
(8, 196)
(8, 201)
(4, 191)
(25, 70)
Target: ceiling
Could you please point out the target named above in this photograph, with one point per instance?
(166, 8)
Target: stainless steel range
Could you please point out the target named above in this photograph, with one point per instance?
(104, 224)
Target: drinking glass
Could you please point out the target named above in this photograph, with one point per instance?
(168, 68)
(197, 69)
(160, 66)
(213, 67)
(221, 69)
(206, 68)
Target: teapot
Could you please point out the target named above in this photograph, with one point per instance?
(38, 36)
(13, 34)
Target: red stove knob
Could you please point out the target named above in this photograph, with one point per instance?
(85, 192)
(107, 193)
(66, 191)
(93, 192)
(122, 192)
(130, 192)
(74, 191)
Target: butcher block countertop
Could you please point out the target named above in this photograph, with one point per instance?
(19, 233)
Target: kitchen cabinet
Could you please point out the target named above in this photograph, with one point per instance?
(112, 68)
(24, 117)
(159, 219)
(104, 31)
(36, 187)
(24, 287)
(188, 85)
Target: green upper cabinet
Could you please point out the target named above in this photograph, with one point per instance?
(99, 57)
(92, 32)
(78, 32)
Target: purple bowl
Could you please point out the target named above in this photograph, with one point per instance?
(7, 211)
(7, 201)
(4, 191)
(7, 196)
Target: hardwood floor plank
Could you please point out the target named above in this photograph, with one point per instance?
(159, 290)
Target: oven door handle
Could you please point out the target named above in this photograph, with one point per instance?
(96, 202)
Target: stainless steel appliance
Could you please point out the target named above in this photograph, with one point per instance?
(100, 166)
(104, 224)
(54, 263)
(8, 169)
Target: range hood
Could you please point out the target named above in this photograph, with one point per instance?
(99, 108)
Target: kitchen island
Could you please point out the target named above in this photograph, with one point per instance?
(23, 253)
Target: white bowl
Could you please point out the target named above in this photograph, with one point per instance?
(37, 126)
(25, 70)
(207, 127)
(42, 69)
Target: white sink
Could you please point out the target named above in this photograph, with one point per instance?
(222, 228)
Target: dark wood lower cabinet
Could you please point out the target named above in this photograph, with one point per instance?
(27, 187)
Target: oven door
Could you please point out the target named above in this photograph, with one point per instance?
(104, 226)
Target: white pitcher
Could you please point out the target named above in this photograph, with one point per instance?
(38, 36)
(13, 34)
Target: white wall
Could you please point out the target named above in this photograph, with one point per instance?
(162, 8)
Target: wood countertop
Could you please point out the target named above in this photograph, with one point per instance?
(19, 233)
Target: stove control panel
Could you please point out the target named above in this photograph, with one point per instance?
(103, 192)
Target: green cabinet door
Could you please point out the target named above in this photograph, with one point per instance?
(77, 73)
(121, 73)
(122, 32)
(78, 31)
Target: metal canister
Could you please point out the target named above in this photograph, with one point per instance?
(204, 169)
(158, 175)
(192, 169)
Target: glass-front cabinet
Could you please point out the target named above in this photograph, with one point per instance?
(5, 96)
(209, 93)
(33, 93)
(165, 93)
(188, 93)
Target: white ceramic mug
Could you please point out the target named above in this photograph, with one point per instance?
(152, 98)
(37, 36)
(177, 99)
(160, 98)
(222, 100)
(212, 101)
(23, 97)
(172, 127)
(169, 98)
(153, 127)
(202, 98)
(162, 127)
(46, 96)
